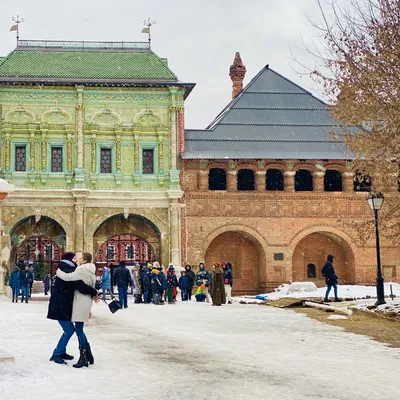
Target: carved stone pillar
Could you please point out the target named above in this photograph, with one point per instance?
(32, 150)
(288, 181)
(69, 152)
(318, 183)
(175, 255)
(202, 182)
(43, 147)
(260, 181)
(231, 181)
(79, 208)
(136, 160)
(348, 182)
(160, 154)
(118, 154)
(7, 152)
(93, 154)
(174, 144)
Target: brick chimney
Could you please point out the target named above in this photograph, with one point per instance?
(237, 72)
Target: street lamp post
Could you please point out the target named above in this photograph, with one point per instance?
(375, 202)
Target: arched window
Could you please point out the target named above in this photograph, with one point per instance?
(311, 271)
(245, 180)
(274, 180)
(217, 179)
(303, 181)
(362, 183)
(333, 181)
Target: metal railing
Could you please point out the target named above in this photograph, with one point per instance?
(84, 45)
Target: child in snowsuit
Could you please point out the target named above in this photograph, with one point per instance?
(200, 295)
(184, 286)
(15, 284)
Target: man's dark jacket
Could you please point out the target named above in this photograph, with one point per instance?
(62, 294)
(122, 277)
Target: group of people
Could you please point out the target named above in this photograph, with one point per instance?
(21, 282)
(150, 284)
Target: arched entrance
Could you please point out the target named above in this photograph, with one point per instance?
(130, 239)
(39, 243)
(310, 255)
(245, 254)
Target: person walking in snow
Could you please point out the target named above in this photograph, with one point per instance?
(203, 276)
(122, 279)
(46, 284)
(26, 278)
(192, 277)
(172, 284)
(105, 283)
(217, 288)
(60, 307)
(82, 305)
(228, 281)
(15, 284)
(184, 286)
(330, 278)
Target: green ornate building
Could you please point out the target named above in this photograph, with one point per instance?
(90, 133)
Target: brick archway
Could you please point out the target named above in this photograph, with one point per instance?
(314, 248)
(246, 255)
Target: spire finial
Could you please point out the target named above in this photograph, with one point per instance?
(237, 72)
(15, 27)
(148, 23)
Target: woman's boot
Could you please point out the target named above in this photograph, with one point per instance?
(89, 354)
(83, 361)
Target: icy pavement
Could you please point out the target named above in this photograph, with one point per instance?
(195, 351)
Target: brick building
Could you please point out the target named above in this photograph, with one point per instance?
(268, 189)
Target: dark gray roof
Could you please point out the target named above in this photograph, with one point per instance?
(272, 118)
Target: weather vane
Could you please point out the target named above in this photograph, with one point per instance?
(15, 27)
(148, 24)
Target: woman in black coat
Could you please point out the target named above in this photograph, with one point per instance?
(60, 307)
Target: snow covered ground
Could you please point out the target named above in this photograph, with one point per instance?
(195, 351)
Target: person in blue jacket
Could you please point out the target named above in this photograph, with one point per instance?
(184, 285)
(163, 280)
(15, 284)
(26, 278)
(105, 284)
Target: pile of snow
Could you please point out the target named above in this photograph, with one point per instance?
(392, 308)
(308, 290)
(335, 316)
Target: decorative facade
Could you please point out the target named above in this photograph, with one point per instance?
(89, 135)
(270, 191)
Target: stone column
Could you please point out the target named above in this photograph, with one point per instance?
(348, 182)
(174, 144)
(79, 131)
(318, 181)
(32, 151)
(260, 181)
(7, 152)
(175, 255)
(202, 181)
(79, 246)
(93, 151)
(160, 154)
(2, 273)
(288, 181)
(231, 181)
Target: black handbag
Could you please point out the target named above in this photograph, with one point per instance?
(114, 306)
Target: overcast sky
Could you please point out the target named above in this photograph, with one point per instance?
(199, 37)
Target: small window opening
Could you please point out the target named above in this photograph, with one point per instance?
(217, 179)
(362, 183)
(274, 180)
(311, 271)
(333, 181)
(245, 180)
(303, 181)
